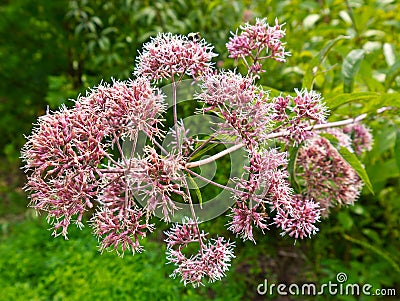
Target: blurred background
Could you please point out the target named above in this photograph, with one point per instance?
(52, 51)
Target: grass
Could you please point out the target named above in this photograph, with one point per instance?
(36, 266)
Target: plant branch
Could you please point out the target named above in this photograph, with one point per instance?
(276, 135)
(201, 244)
(214, 157)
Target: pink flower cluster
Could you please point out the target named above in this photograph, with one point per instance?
(328, 178)
(255, 38)
(298, 218)
(61, 157)
(76, 163)
(210, 262)
(66, 150)
(298, 113)
(168, 55)
(240, 102)
(251, 117)
(361, 137)
(126, 107)
(268, 185)
(158, 179)
(120, 231)
(243, 219)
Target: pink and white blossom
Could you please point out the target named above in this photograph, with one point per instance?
(167, 55)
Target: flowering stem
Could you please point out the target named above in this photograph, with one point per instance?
(215, 157)
(178, 138)
(276, 135)
(194, 215)
(120, 148)
(133, 149)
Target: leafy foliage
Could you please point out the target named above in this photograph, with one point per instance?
(55, 49)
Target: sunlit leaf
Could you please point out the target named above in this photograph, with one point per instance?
(350, 67)
(311, 73)
(352, 159)
(388, 52)
(344, 98)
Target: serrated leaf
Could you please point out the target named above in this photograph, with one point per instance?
(309, 77)
(352, 159)
(350, 67)
(197, 190)
(292, 168)
(397, 149)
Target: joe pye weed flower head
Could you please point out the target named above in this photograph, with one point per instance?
(77, 165)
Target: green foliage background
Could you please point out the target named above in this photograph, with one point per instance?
(51, 51)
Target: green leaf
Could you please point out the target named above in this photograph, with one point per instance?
(393, 72)
(350, 67)
(344, 98)
(311, 73)
(197, 190)
(345, 219)
(203, 150)
(292, 168)
(375, 250)
(388, 52)
(386, 99)
(397, 149)
(352, 159)
(373, 84)
(331, 138)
